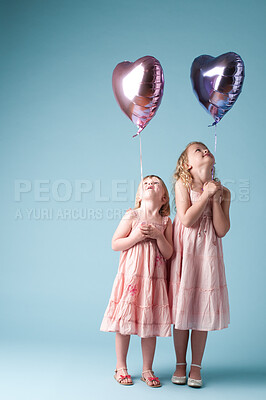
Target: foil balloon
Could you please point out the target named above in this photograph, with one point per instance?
(138, 89)
(217, 82)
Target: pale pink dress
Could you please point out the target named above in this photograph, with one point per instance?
(198, 293)
(139, 301)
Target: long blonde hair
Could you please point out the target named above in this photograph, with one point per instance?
(165, 209)
(181, 171)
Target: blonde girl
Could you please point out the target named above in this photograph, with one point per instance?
(139, 302)
(197, 292)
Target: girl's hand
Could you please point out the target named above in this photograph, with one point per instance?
(218, 196)
(150, 231)
(137, 235)
(211, 187)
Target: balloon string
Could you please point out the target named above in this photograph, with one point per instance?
(141, 174)
(215, 144)
(140, 153)
(215, 139)
(138, 134)
(141, 169)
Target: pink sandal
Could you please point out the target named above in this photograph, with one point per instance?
(150, 379)
(122, 377)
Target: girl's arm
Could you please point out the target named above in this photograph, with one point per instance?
(164, 239)
(165, 242)
(124, 237)
(220, 211)
(188, 214)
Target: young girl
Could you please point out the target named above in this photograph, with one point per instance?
(198, 294)
(139, 303)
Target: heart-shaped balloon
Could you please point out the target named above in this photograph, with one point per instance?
(138, 89)
(217, 82)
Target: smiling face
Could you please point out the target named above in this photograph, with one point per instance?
(198, 155)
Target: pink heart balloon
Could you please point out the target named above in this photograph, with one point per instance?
(138, 89)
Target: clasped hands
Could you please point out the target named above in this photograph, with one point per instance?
(146, 231)
(213, 189)
(150, 231)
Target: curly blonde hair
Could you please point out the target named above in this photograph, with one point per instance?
(181, 171)
(165, 209)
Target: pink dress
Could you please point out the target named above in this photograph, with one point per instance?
(139, 301)
(198, 293)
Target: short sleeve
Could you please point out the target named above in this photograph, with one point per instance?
(130, 214)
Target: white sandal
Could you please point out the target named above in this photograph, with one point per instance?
(196, 383)
(179, 380)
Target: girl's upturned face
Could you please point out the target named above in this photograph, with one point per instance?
(153, 187)
(199, 155)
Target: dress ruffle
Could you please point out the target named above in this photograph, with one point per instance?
(131, 319)
(204, 310)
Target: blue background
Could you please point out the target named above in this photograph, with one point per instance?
(61, 123)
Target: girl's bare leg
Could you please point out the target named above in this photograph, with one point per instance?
(148, 349)
(121, 348)
(198, 341)
(180, 343)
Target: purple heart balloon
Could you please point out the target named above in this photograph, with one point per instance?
(217, 82)
(138, 89)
